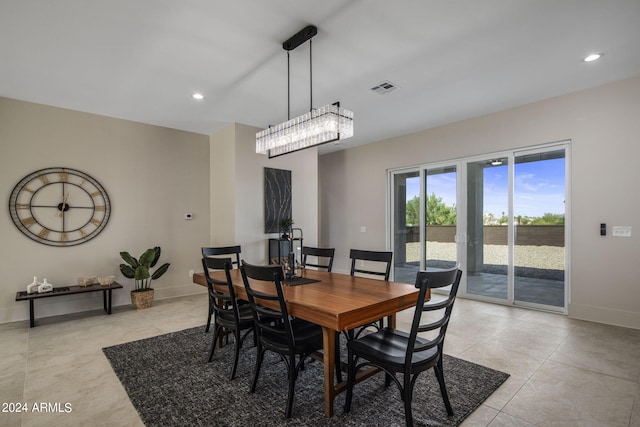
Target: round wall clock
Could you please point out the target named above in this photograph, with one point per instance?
(59, 206)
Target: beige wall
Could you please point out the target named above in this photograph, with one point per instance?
(603, 127)
(153, 175)
(237, 191)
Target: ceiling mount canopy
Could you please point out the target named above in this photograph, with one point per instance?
(318, 126)
(300, 37)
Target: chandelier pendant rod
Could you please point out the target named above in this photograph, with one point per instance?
(288, 88)
(310, 76)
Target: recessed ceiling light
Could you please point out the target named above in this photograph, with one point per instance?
(198, 96)
(592, 57)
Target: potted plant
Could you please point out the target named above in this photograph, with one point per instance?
(138, 269)
(285, 227)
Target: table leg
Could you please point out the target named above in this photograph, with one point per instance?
(32, 321)
(109, 302)
(104, 301)
(328, 340)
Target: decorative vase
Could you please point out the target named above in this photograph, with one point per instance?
(142, 299)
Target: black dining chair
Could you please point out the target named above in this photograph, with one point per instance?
(395, 351)
(320, 254)
(278, 332)
(217, 252)
(328, 255)
(229, 316)
(383, 257)
(371, 256)
(224, 250)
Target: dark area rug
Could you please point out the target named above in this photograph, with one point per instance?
(170, 383)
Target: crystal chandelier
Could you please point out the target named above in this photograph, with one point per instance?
(318, 126)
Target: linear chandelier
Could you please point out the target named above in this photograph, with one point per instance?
(318, 126)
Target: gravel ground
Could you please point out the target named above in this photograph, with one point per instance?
(543, 257)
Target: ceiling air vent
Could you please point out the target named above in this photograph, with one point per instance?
(384, 87)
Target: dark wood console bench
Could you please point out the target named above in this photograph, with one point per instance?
(69, 290)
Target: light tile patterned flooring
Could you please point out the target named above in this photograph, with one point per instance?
(564, 372)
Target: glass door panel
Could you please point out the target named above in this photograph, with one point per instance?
(488, 228)
(406, 225)
(539, 223)
(441, 218)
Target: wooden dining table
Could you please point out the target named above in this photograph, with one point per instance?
(337, 302)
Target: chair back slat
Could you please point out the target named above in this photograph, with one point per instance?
(375, 256)
(327, 253)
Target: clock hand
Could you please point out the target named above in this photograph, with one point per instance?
(64, 204)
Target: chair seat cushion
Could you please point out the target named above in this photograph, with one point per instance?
(308, 338)
(388, 348)
(246, 313)
(227, 318)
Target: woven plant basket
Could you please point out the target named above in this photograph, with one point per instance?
(142, 299)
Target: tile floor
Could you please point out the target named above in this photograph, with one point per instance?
(563, 372)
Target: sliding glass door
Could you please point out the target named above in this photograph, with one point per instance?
(441, 216)
(424, 220)
(487, 228)
(406, 214)
(539, 228)
(501, 216)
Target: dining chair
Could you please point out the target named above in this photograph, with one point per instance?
(219, 251)
(229, 316)
(371, 256)
(277, 331)
(394, 351)
(325, 253)
(375, 256)
(223, 250)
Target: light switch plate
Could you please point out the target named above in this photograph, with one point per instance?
(621, 231)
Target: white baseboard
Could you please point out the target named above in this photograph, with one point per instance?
(179, 291)
(627, 319)
(76, 303)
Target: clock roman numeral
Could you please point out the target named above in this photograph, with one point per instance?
(83, 233)
(44, 233)
(28, 222)
(95, 221)
(64, 237)
(64, 176)
(44, 179)
(96, 193)
(22, 205)
(101, 208)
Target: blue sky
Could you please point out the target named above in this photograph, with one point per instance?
(539, 188)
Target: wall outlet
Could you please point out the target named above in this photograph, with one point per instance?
(190, 273)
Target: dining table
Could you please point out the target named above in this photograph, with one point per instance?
(337, 302)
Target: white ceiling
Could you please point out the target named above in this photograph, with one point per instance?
(451, 59)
